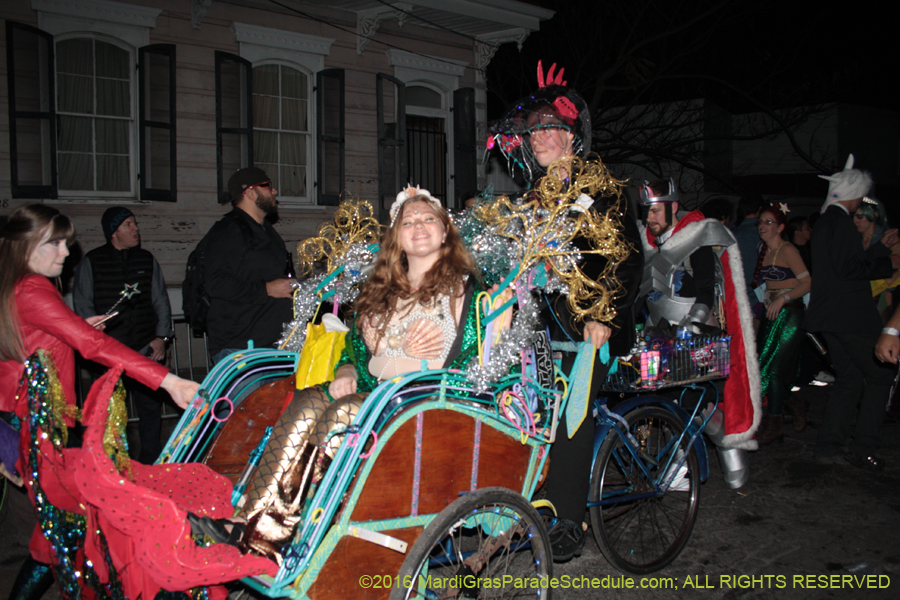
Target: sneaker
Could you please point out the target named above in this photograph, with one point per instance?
(823, 377)
(680, 483)
(566, 538)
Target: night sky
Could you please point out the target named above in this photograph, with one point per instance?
(746, 57)
(777, 53)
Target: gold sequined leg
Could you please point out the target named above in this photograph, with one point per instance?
(340, 414)
(283, 469)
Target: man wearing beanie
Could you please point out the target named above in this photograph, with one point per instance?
(842, 309)
(246, 269)
(144, 319)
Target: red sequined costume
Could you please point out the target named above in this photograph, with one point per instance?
(46, 323)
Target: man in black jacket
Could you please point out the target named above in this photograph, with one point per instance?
(246, 267)
(121, 273)
(842, 309)
(551, 125)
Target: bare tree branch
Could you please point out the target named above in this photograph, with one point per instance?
(665, 84)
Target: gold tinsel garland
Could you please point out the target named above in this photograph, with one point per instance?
(353, 222)
(56, 398)
(552, 220)
(114, 441)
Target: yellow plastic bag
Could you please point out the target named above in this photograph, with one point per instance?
(320, 354)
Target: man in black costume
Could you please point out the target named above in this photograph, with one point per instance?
(549, 126)
(842, 310)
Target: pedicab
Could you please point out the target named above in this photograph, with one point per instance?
(434, 478)
(428, 494)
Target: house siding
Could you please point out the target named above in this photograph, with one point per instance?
(171, 230)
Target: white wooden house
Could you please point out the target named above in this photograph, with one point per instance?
(154, 103)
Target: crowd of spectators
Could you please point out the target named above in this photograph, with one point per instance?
(850, 332)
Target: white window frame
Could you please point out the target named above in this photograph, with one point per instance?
(306, 53)
(423, 111)
(133, 150)
(125, 25)
(310, 198)
(443, 113)
(438, 74)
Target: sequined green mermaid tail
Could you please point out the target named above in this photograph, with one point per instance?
(778, 345)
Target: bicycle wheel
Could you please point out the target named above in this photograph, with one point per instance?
(640, 531)
(488, 544)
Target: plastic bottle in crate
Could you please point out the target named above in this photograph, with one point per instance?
(682, 355)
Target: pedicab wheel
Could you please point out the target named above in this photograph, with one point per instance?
(638, 530)
(488, 544)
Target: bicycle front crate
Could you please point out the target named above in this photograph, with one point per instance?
(664, 363)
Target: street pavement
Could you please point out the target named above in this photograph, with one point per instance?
(797, 529)
(793, 519)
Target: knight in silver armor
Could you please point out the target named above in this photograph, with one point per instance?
(690, 281)
(682, 273)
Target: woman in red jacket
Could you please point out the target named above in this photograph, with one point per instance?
(33, 316)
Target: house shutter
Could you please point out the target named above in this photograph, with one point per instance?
(32, 112)
(465, 157)
(330, 129)
(157, 122)
(391, 106)
(234, 118)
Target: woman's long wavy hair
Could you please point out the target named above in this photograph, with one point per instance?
(22, 233)
(388, 282)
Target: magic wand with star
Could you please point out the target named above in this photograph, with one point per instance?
(130, 290)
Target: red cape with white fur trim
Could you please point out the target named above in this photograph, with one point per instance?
(741, 405)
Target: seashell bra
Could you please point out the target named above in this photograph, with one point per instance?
(416, 333)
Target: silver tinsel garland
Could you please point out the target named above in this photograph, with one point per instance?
(508, 351)
(358, 262)
(533, 236)
(492, 252)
